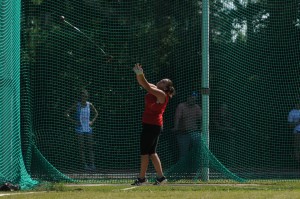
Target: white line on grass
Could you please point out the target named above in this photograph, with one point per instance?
(9, 194)
(128, 188)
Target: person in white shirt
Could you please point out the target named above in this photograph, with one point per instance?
(83, 123)
(294, 122)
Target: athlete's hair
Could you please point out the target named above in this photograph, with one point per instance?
(170, 90)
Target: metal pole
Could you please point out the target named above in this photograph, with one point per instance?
(205, 88)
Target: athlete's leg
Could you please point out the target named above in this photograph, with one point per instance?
(90, 147)
(82, 148)
(144, 166)
(157, 165)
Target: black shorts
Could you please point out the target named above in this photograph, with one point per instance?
(149, 138)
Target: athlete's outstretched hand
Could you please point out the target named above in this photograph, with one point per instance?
(138, 69)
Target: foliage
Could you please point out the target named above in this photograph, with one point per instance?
(246, 37)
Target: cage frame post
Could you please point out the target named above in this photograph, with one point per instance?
(205, 85)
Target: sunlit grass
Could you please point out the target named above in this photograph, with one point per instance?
(261, 189)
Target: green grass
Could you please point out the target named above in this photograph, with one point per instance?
(259, 190)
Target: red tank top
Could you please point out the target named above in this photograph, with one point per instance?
(154, 111)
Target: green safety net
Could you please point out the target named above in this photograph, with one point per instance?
(254, 80)
(12, 168)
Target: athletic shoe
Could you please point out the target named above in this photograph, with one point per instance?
(160, 181)
(139, 181)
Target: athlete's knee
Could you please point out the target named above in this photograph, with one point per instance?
(153, 155)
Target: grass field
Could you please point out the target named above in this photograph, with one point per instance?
(258, 190)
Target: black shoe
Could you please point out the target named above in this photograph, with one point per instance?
(139, 181)
(160, 181)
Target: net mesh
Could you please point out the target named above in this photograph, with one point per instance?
(11, 160)
(254, 67)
